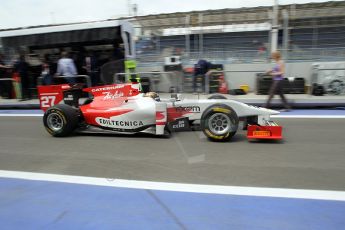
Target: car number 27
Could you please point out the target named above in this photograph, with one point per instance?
(47, 101)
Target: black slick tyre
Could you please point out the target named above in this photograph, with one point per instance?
(61, 120)
(219, 122)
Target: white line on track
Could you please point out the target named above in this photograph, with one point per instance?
(178, 187)
(19, 115)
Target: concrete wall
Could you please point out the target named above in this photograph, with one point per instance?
(235, 79)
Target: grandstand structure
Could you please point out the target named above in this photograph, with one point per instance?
(306, 32)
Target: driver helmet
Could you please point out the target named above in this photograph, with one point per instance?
(153, 95)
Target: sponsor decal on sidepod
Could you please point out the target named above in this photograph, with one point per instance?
(118, 124)
(180, 124)
(191, 109)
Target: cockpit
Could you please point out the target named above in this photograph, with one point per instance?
(155, 96)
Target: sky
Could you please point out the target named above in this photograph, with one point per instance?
(22, 13)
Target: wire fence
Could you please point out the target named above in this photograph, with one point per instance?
(317, 39)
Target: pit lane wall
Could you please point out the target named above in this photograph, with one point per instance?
(235, 79)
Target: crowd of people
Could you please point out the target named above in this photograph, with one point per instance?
(65, 69)
(70, 66)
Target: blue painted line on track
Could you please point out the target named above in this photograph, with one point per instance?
(27, 204)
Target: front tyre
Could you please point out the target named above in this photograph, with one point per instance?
(61, 120)
(219, 123)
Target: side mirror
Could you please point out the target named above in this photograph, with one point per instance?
(176, 96)
(180, 97)
(173, 95)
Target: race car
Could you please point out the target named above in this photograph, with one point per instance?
(122, 108)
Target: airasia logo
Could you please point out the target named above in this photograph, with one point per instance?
(112, 96)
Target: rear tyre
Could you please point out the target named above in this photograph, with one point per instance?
(61, 120)
(219, 123)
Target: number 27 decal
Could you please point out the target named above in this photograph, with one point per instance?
(47, 101)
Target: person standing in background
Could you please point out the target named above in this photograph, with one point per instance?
(2, 63)
(91, 67)
(277, 72)
(118, 53)
(21, 67)
(47, 70)
(66, 67)
(201, 69)
(5, 89)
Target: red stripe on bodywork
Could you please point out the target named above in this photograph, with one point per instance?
(107, 113)
(160, 115)
(174, 114)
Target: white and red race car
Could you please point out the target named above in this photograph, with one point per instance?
(121, 108)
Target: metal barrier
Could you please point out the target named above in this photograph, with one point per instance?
(172, 74)
(88, 79)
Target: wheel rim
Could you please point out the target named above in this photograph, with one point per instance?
(55, 121)
(219, 123)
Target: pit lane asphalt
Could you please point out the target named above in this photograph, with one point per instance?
(312, 156)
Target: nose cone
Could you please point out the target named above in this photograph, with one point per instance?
(271, 111)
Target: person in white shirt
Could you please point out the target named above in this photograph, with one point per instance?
(66, 67)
